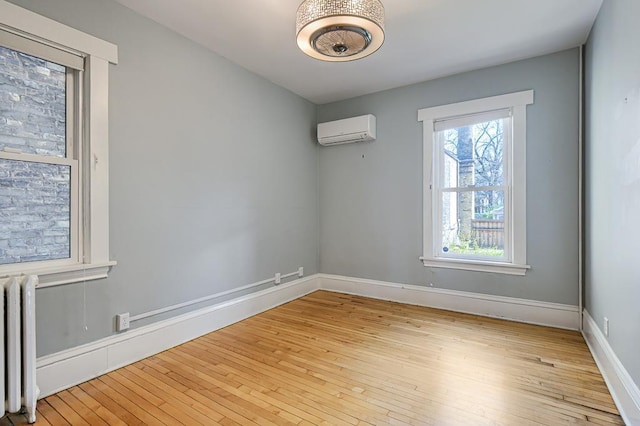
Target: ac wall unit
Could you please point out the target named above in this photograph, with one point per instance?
(355, 129)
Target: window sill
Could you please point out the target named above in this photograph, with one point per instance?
(474, 265)
(60, 275)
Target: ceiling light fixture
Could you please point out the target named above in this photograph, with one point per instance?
(340, 30)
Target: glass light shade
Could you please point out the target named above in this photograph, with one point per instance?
(340, 30)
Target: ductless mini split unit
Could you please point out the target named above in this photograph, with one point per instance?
(349, 130)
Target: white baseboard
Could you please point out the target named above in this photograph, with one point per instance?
(622, 387)
(521, 310)
(73, 366)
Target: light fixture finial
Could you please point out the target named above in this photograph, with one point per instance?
(340, 30)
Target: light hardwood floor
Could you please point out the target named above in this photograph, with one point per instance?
(337, 359)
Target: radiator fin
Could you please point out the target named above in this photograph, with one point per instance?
(18, 328)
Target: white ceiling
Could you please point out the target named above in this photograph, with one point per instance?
(425, 39)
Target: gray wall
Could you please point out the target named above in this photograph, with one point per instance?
(612, 119)
(371, 193)
(213, 178)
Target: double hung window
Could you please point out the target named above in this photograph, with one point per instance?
(39, 156)
(54, 168)
(474, 184)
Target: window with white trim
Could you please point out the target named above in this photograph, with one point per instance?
(475, 183)
(53, 149)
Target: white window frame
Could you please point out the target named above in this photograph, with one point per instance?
(74, 65)
(92, 133)
(515, 163)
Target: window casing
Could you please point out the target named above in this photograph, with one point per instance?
(79, 151)
(475, 184)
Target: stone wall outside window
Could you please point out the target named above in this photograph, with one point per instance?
(34, 197)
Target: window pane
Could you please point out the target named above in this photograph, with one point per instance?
(477, 151)
(35, 213)
(473, 223)
(32, 104)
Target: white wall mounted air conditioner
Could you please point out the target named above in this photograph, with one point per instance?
(355, 129)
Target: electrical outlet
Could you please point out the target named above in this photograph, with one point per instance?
(300, 272)
(122, 321)
(606, 326)
(278, 280)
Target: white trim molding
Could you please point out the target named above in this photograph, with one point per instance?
(30, 24)
(70, 367)
(76, 365)
(50, 277)
(471, 107)
(623, 389)
(477, 266)
(64, 274)
(508, 308)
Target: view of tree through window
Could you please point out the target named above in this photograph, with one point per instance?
(473, 196)
(35, 177)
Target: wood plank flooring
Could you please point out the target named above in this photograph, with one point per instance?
(335, 359)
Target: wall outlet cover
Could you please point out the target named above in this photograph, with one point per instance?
(122, 321)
